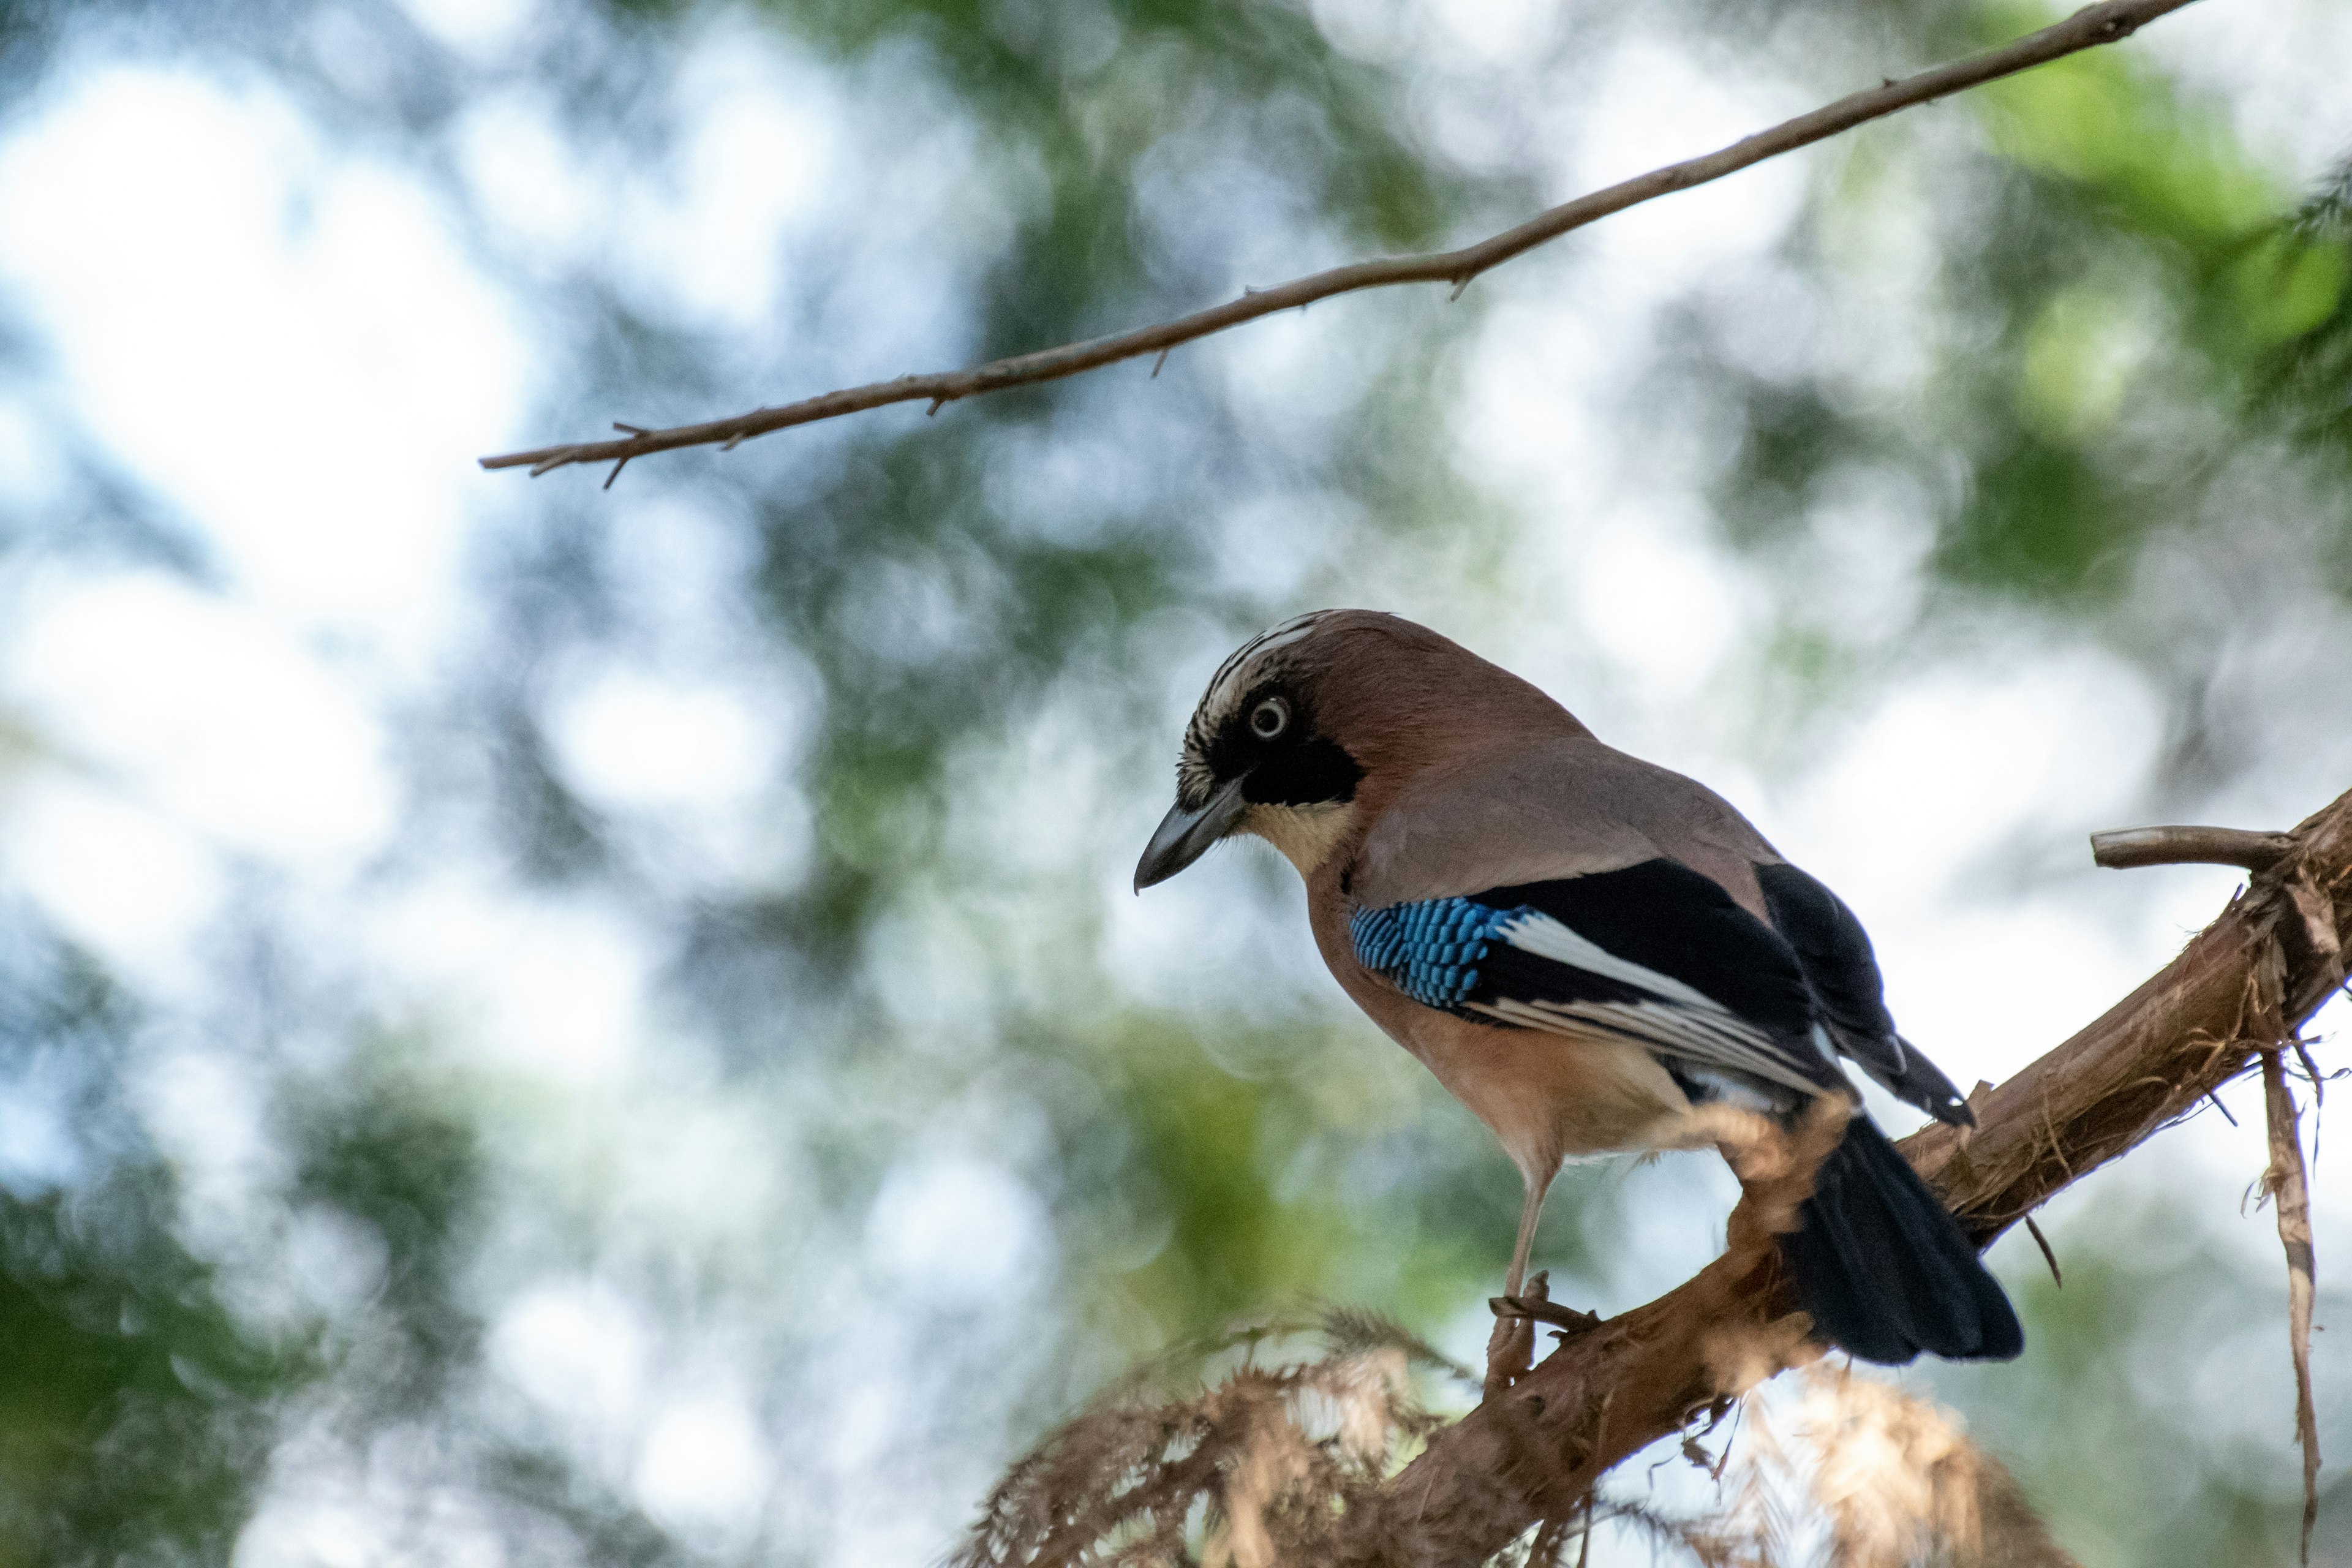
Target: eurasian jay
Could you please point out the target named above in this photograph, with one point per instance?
(1582, 946)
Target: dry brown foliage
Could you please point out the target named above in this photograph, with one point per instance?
(1877, 1474)
(1262, 1467)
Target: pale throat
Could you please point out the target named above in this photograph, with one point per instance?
(1308, 835)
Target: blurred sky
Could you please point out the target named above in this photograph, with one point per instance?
(289, 339)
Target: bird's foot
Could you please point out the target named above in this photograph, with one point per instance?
(1510, 1349)
(1570, 1321)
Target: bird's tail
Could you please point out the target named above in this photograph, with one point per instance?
(1882, 1267)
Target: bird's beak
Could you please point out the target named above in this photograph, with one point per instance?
(1184, 837)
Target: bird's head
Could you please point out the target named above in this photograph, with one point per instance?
(1306, 726)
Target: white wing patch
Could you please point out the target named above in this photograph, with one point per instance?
(1683, 1022)
(1548, 938)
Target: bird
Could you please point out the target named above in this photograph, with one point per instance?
(1586, 949)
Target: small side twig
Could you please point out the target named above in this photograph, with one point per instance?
(2048, 1256)
(2127, 848)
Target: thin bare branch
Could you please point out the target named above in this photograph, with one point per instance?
(2128, 848)
(2088, 28)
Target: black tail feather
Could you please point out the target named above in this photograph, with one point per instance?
(1882, 1267)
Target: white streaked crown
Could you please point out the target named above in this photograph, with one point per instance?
(1233, 680)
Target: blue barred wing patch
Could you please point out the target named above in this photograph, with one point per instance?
(1431, 949)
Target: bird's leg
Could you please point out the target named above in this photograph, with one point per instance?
(1523, 1303)
(1530, 1211)
(1510, 1349)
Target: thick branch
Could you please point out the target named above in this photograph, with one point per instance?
(2095, 24)
(2246, 983)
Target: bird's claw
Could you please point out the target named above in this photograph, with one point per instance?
(1535, 1302)
(1544, 1311)
(1511, 1350)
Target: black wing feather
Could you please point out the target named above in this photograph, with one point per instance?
(1666, 916)
(1834, 953)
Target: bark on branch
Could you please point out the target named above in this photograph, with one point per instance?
(2244, 986)
(2088, 28)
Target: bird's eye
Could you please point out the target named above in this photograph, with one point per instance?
(1269, 718)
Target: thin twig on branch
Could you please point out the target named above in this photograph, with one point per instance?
(2088, 28)
(2127, 848)
(2242, 989)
